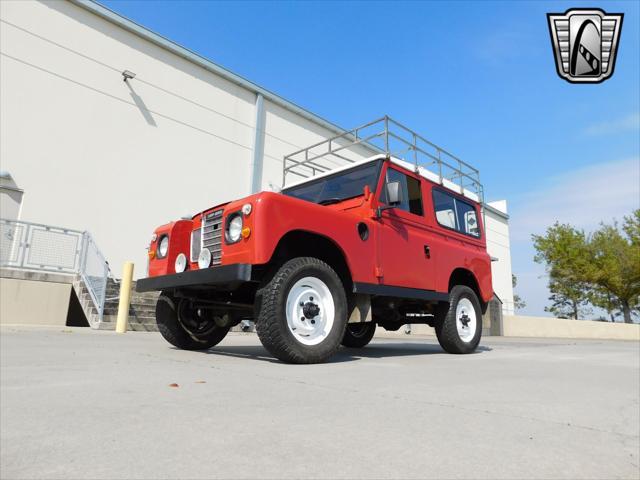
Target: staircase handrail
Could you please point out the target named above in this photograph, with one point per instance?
(40, 247)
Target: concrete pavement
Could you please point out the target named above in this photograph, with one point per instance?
(77, 403)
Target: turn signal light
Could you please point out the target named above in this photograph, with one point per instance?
(151, 254)
(246, 231)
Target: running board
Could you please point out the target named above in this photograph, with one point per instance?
(400, 292)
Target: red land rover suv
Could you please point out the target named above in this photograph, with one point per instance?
(380, 241)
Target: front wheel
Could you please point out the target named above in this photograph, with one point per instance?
(185, 326)
(358, 335)
(459, 324)
(302, 312)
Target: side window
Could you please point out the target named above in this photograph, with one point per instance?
(410, 192)
(468, 223)
(445, 209)
(455, 214)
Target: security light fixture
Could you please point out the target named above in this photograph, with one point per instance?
(127, 75)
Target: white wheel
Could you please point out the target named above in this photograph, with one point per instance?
(466, 321)
(310, 310)
(459, 323)
(302, 311)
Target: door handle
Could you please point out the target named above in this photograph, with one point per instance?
(427, 251)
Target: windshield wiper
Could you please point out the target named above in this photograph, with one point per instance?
(332, 200)
(329, 201)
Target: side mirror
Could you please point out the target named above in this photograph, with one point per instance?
(393, 193)
(393, 198)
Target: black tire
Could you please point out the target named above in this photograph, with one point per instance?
(446, 324)
(358, 335)
(172, 329)
(271, 324)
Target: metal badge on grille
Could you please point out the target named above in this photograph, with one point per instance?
(585, 43)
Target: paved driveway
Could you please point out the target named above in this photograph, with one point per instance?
(82, 404)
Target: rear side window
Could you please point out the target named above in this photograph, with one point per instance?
(410, 192)
(467, 220)
(456, 214)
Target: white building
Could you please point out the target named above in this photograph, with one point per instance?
(10, 197)
(91, 151)
(499, 247)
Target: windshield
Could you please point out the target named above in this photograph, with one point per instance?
(337, 187)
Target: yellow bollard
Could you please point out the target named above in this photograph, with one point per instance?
(125, 297)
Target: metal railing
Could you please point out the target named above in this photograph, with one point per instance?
(382, 136)
(45, 248)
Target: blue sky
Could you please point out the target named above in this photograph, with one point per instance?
(477, 78)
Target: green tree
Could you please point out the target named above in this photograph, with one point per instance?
(602, 269)
(631, 227)
(563, 250)
(614, 258)
(605, 301)
(568, 300)
(518, 302)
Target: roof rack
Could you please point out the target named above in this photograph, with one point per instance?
(391, 138)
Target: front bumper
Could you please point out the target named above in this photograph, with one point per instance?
(226, 277)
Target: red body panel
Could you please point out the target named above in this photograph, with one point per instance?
(394, 254)
(179, 242)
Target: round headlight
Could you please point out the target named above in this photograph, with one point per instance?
(204, 259)
(181, 263)
(235, 228)
(163, 247)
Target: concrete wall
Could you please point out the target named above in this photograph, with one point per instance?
(521, 326)
(31, 302)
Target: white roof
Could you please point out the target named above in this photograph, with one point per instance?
(423, 172)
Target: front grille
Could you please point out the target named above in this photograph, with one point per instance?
(212, 235)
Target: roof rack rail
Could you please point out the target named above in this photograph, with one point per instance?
(391, 138)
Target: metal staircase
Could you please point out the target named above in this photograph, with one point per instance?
(73, 255)
(142, 311)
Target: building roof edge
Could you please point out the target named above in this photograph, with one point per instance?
(163, 42)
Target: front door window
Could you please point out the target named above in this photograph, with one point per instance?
(410, 192)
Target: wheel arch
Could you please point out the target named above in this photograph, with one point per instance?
(304, 243)
(462, 276)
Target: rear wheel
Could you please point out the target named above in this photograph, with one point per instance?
(358, 335)
(185, 326)
(303, 312)
(459, 324)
